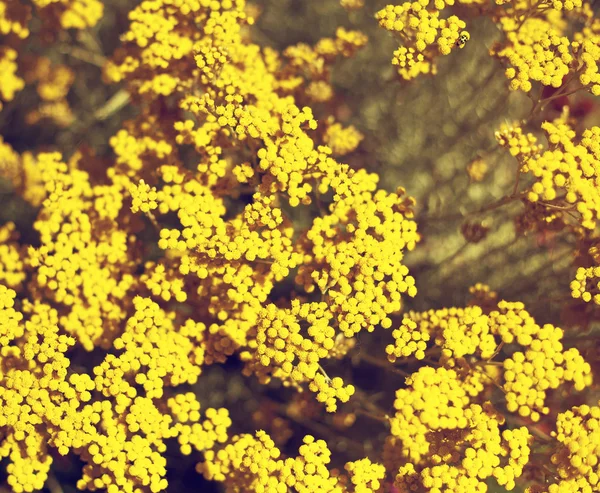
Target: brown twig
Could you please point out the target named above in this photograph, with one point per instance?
(386, 365)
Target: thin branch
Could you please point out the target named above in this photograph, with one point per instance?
(381, 418)
(386, 365)
(83, 55)
(119, 100)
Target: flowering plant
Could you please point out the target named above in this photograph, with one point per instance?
(207, 273)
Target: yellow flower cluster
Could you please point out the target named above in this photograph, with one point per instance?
(585, 286)
(440, 440)
(235, 262)
(342, 140)
(10, 317)
(421, 30)
(477, 170)
(542, 364)
(14, 19)
(164, 283)
(282, 351)
(12, 273)
(577, 457)
(586, 48)
(564, 186)
(537, 52)
(53, 81)
(565, 173)
(458, 331)
(10, 82)
(161, 32)
(34, 391)
(81, 242)
(143, 197)
(126, 452)
(120, 435)
(365, 476)
(308, 69)
(356, 254)
(166, 356)
(191, 434)
(536, 49)
(254, 463)
(71, 14)
(523, 146)
(224, 192)
(225, 257)
(409, 339)
(136, 146)
(153, 41)
(58, 112)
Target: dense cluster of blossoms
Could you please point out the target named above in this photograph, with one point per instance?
(241, 185)
(536, 52)
(578, 453)
(243, 464)
(436, 410)
(535, 47)
(585, 286)
(541, 363)
(450, 403)
(423, 33)
(110, 418)
(352, 254)
(12, 273)
(566, 172)
(83, 283)
(539, 51)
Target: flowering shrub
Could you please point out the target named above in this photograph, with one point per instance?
(233, 223)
